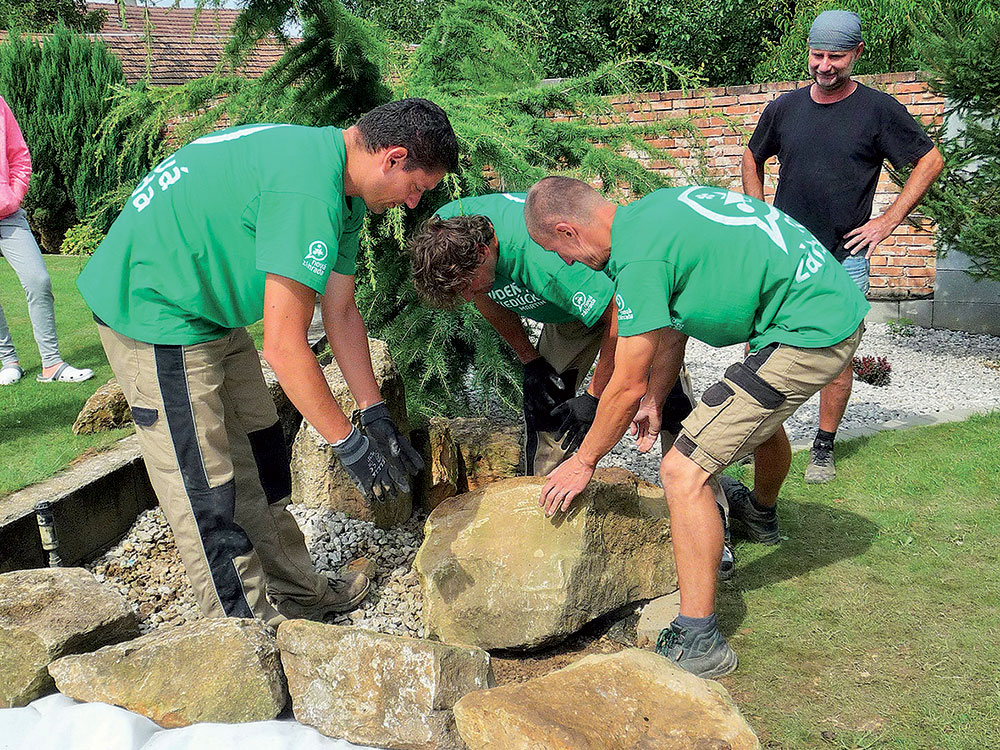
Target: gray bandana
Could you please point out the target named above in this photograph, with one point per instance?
(835, 30)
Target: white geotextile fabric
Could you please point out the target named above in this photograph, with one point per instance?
(56, 722)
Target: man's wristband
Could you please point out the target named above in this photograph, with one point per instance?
(374, 413)
(352, 447)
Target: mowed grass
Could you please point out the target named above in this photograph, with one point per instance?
(36, 419)
(876, 624)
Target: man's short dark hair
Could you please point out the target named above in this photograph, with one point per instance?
(418, 125)
(445, 255)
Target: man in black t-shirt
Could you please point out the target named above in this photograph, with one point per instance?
(831, 138)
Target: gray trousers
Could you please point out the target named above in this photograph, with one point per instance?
(18, 246)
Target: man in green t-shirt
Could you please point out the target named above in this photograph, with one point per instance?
(248, 223)
(478, 249)
(725, 269)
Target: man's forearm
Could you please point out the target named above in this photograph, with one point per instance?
(618, 405)
(508, 324)
(926, 170)
(666, 367)
(299, 374)
(753, 175)
(348, 339)
(606, 358)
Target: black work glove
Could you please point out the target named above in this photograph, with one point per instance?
(403, 460)
(543, 389)
(366, 467)
(577, 416)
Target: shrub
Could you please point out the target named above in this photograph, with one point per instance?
(82, 239)
(59, 90)
(872, 370)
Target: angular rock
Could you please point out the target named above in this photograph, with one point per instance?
(655, 616)
(48, 613)
(375, 689)
(106, 410)
(219, 670)
(487, 452)
(496, 573)
(632, 700)
(319, 480)
(436, 446)
(288, 416)
(362, 565)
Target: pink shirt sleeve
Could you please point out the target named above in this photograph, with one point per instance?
(15, 163)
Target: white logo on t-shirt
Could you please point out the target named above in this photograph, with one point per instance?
(583, 302)
(316, 256)
(812, 261)
(232, 136)
(734, 210)
(514, 198)
(624, 313)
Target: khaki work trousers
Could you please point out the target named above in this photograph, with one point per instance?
(214, 450)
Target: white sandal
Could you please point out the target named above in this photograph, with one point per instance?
(10, 374)
(67, 374)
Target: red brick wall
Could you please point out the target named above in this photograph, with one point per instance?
(725, 117)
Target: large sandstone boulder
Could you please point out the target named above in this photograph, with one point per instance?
(288, 416)
(496, 573)
(106, 410)
(630, 700)
(50, 612)
(220, 670)
(376, 689)
(487, 451)
(319, 480)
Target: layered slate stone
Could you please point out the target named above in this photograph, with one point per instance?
(487, 452)
(436, 445)
(496, 573)
(318, 478)
(632, 700)
(48, 613)
(216, 670)
(375, 689)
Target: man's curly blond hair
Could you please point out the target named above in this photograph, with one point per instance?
(444, 256)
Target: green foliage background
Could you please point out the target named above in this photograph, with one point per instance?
(45, 15)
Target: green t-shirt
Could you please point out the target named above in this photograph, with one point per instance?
(186, 259)
(725, 268)
(530, 280)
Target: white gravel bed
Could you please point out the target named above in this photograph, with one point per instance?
(932, 371)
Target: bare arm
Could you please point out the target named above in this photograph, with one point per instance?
(753, 175)
(288, 309)
(618, 405)
(348, 337)
(606, 359)
(870, 234)
(508, 324)
(663, 374)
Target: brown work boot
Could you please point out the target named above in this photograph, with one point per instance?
(344, 594)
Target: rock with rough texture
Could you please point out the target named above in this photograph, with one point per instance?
(632, 700)
(219, 670)
(288, 416)
(375, 689)
(496, 573)
(106, 410)
(655, 616)
(487, 452)
(319, 480)
(48, 613)
(439, 479)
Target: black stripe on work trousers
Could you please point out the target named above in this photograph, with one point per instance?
(271, 457)
(213, 507)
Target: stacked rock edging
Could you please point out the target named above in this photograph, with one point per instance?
(46, 614)
(497, 573)
(379, 689)
(214, 670)
(630, 700)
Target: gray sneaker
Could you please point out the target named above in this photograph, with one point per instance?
(343, 595)
(820, 469)
(727, 566)
(702, 654)
(760, 525)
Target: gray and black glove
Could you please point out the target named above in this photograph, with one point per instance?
(366, 467)
(403, 460)
(543, 389)
(577, 416)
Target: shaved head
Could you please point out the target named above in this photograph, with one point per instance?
(559, 199)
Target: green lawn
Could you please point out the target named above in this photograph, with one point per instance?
(36, 439)
(876, 623)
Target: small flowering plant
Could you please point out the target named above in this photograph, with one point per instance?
(873, 370)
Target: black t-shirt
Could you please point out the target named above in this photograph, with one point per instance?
(830, 156)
